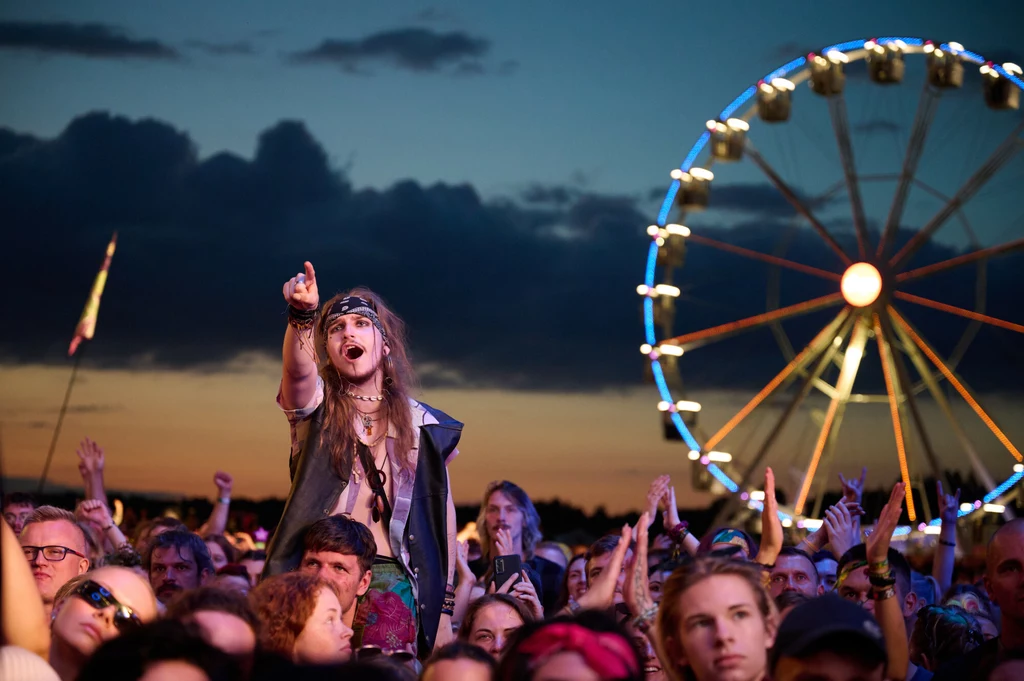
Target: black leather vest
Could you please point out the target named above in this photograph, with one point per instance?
(315, 492)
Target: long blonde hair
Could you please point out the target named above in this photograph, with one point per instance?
(399, 381)
(688, 575)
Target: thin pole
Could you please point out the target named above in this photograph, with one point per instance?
(60, 418)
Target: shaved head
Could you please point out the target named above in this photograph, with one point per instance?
(1008, 534)
(1004, 578)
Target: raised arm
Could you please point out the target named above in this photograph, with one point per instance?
(771, 526)
(218, 521)
(888, 609)
(23, 616)
(90, 465)
(945, 552)
(298, 374)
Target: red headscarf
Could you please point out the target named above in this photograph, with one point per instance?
(608, 654)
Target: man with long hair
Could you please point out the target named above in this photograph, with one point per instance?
(362, 447)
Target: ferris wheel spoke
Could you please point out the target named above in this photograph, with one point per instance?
(952, 309)
(837, 113)
(757, 255)
(795, 201)
(926, 107)
(798, 364)
(836, 408)
(965, 259)
(753, 468)
(894, 390)
(903, 376)
(1003, 153)
(954, 381)
(692, 340)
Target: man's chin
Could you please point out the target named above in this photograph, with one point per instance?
(166, 594)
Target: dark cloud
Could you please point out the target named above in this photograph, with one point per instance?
(510, 293)
(877, 125)
(241, 47)
(558, 195)
(413, 49)
(97, 41)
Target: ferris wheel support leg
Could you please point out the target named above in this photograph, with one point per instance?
(903, 376)
(837, 112)
(796, 202)
(844, 385)
(1003, 153)
(895, 392)
(824, 360)
(926, 107)
(923, 369)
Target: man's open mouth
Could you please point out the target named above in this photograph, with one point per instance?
(353, 352)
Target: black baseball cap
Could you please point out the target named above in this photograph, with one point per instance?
(825, 616)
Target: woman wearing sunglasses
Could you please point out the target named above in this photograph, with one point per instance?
(100, 606)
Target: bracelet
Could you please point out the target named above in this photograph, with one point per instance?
(445, 610)
(574, 606)
(879, 567)
(882, 581)
(951, 544)
(644, 620)
(223, 500)
(302, 319)
(679, 531)
(883, 594)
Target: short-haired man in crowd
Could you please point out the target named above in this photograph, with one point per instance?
(794, 571)
(599, 555)
(853, 584)
(1004, 581)
(176, 561)
(507, 508)
(18, 506)
(341, 550)
(56, 549)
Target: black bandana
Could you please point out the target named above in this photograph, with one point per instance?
(359, 306)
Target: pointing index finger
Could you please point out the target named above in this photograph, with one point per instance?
(310, 273)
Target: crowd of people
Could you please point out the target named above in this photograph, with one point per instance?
(364, 576)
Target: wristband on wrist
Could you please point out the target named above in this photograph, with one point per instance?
(224, 500)
(882, 581)
(302, 319)
(574, 605)
(883, 594)
(644, 620)
(880, 567)
(679, 531)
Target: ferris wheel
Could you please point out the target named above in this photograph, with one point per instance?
(856, 301)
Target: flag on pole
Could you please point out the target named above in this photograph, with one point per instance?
(87, 324)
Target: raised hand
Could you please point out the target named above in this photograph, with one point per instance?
(853, 489)
(948, 504)
(670, 510)
(462, 562)
(601, 592)
(771, 526)
(840, 527)
(95, 511)
(877, 545)
(636, 592)
(300, 291)
(90, 458)
(224, 482)
(655, 496)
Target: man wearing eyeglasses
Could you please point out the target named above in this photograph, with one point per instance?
(55, 547)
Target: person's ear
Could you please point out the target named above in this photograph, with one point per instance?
(364, 582)
(205, 575)
(83, 565)
(909, 604)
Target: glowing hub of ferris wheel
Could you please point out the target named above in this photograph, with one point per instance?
(861, 284)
